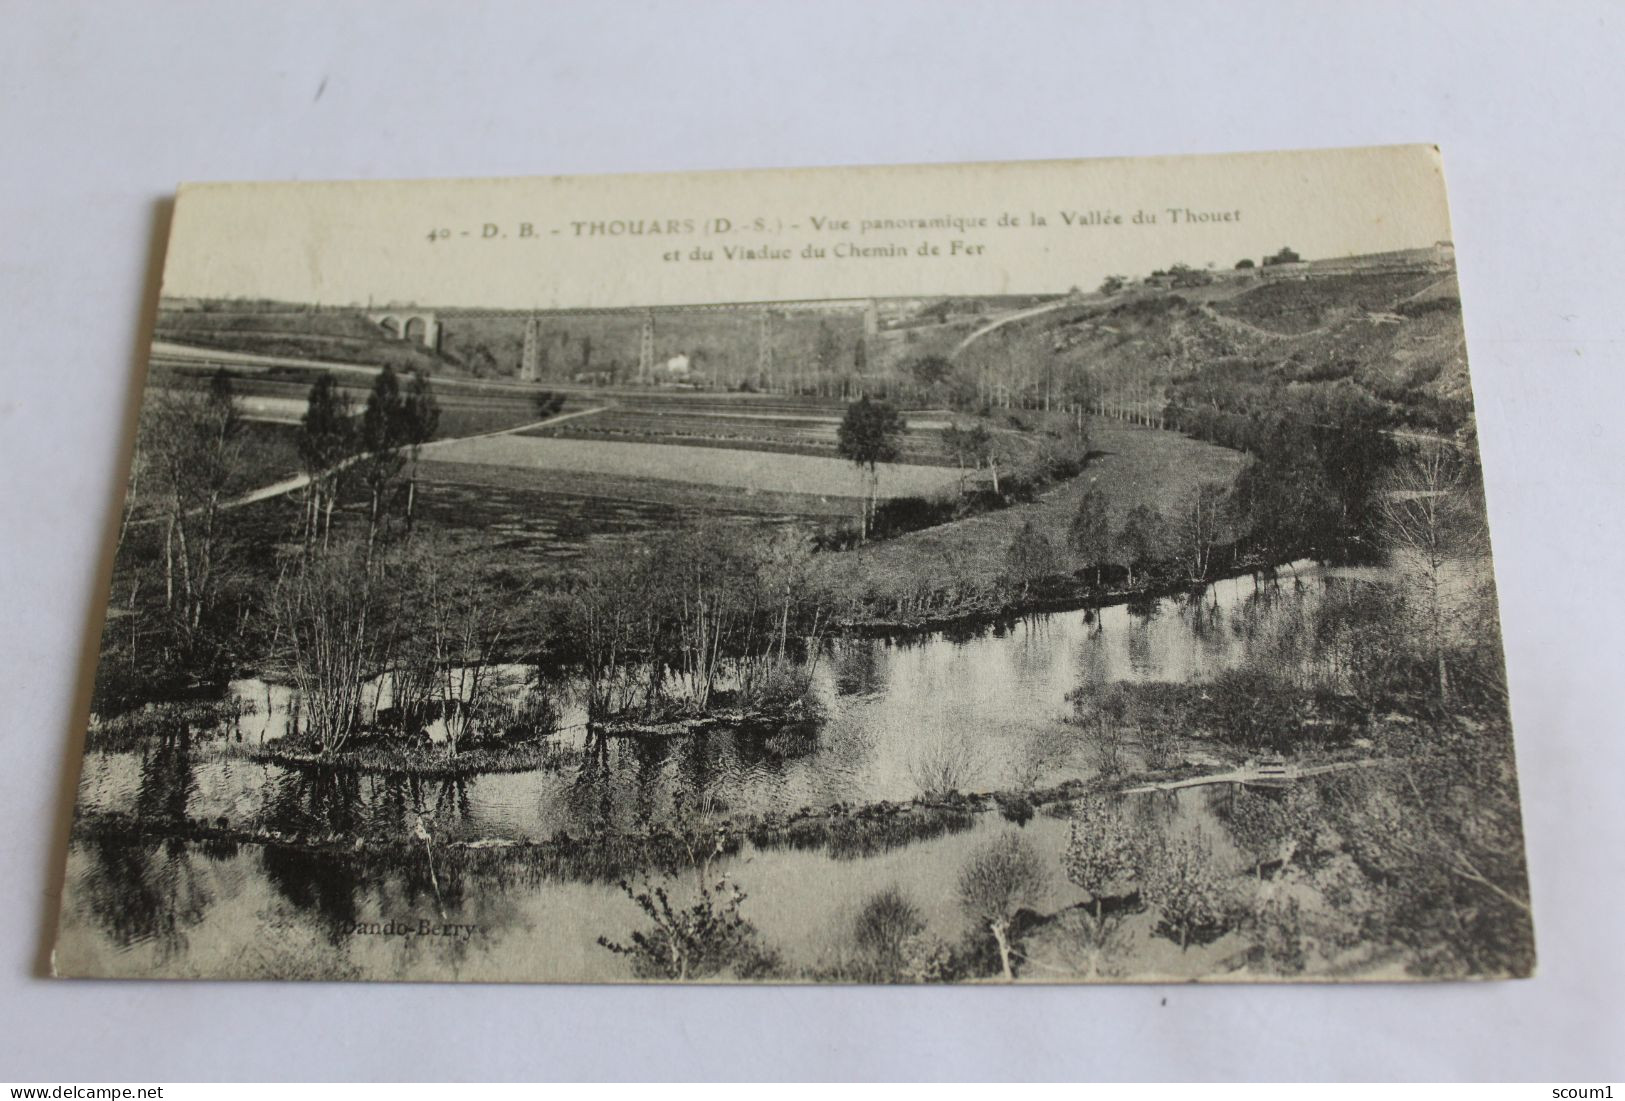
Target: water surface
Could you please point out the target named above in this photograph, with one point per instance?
(999, 698)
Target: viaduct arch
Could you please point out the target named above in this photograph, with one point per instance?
(416, 326)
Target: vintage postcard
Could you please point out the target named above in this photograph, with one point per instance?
(1054, 572)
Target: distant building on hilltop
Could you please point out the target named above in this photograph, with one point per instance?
(1439, 256)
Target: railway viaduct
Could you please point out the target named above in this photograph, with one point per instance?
(418, 326)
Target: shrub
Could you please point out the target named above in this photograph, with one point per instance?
(1193, 899)
(1276, 925)
(697, 941)
(1103, 854)
(942, 767)
(886, 920)
(899, 515)
(1251, 708)
(1031, 558)
(1159, 745)
(890, 934)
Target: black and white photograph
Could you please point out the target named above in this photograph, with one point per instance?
(1002, 541)
(1037, 573)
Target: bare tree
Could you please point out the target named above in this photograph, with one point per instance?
(324, 617)
(1104, 714)
(1142, 539)
(192, 448)
(893, 944)
(960, 444)
(944, 765)
(1030, 558)
(465, 623)
(705, 604)
(607, 610)
(780, 598)
(1433, 524)
(327, 441)
(1201, 523)
(383, 436)
(1090, 533)
(421, 419)
(988, 449)
(1002, 877)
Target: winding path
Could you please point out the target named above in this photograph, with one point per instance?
(1247, 328)
(1256, 775)
(300, 481)
(1020, 315)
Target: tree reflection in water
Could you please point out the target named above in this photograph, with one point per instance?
(590, 796)
(167, 779)
(333, 801)
(1142, 655)
(648, 762)
(859, 668)
(316, 800)
(314, 884)
(144, 891)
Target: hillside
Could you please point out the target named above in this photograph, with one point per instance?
(1386, 342)
(723, 346)
(1390, 342)
(342, 336)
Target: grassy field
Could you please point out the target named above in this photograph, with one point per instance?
(1295, 307)
(809, 430)
(525, 518)
(681, 498)
(280, 395)
(1130, 466)
(748, 472)
(553, 497)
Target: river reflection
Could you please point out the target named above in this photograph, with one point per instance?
(138, 907)
(999, 700)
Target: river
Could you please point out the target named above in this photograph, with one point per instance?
(995, 702)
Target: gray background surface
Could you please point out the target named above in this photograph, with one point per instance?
(103, 108)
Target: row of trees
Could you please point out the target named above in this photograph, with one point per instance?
(188, 452)
(1420, 860)
(196, 560)
(1317, 490)
(340, 616)
(656, 630)
(373, 452)
(1180, 544)
(180, 585)
(871, 433)
(1172, 883)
